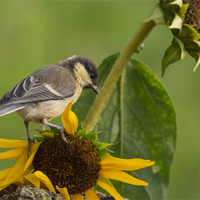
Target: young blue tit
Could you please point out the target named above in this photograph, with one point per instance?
(45, 94)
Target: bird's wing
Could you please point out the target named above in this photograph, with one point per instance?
(31, 90)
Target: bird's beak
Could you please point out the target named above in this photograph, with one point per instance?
(96, 89)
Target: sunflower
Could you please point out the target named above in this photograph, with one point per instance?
(71, 169)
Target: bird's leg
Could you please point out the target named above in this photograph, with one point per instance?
(30, 139)
(60, 129)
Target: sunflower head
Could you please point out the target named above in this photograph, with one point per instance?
(74, 165)
(70, 168)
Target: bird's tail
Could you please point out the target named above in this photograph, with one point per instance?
(6, 109)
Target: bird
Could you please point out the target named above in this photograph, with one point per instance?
(45, 93)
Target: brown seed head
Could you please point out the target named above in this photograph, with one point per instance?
(192, 15)
(74, 165)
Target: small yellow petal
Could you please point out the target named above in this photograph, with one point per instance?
(34, 148)
(48, 134)
(45, 180)
(64, 193)
(33, 179)
(29, 169)
(11, 154)
(116, 174)
(4, 173)
(77, 197)
(109, 188)
(21, 166)
(20, 180)
(17, 170)
(126, 164)
(8, 143)
(69, 119)
(90, 195)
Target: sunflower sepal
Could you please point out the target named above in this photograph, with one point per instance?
(176, 51)
(196, 56)
(100, 145)
(46, 134)
(157, 15)
(175, 5)
(183, 10)
(92, 137)
(39, 138)
(103, 153)
(189, 32)
(174, 21)
(81, 131)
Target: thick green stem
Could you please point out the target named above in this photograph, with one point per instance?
(133, 44)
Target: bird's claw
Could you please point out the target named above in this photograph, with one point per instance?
(62, 134)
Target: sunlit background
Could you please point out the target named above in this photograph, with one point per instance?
(37, 33)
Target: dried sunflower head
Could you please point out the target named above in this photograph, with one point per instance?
(192, 15)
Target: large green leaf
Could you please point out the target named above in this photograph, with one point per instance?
(139, 119)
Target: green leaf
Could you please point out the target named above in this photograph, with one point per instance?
(139, 119)
(175, 52)
(189, 32)
(195, 55)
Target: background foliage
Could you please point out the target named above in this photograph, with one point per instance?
(34, 34)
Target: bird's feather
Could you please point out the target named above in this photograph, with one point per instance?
(30, 89)
(6, 109)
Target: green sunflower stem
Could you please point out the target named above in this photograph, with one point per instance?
(133, 44)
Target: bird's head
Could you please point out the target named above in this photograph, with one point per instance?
(85, 71)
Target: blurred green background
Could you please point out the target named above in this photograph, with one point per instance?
(37, 33)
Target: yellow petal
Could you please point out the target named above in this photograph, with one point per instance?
(33, 179)
(64, 193)
(77, 197)
(116, 174)
(48, 134)
(20, 180)
(34, 148)
(21, 166)
(8, 143)
(29, 169)
(126, 164)
(109, 188)
(69, 119)
(90, 195)
(4, 173)
(17, 170)
(11, 154)
(45, 180)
